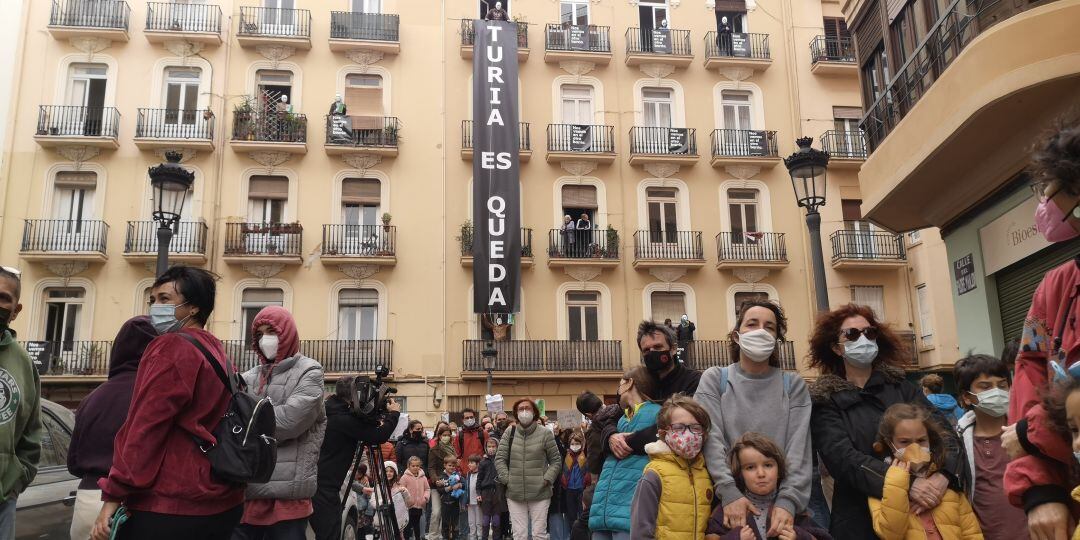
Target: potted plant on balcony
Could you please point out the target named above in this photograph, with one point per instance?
(243, 114)
(390, 135)
(466, 237)
(285, 228)
(386, 221)
(612, 246)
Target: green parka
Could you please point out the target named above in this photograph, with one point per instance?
(531, 465)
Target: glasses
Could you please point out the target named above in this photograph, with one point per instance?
(696, 429)
(852, 334)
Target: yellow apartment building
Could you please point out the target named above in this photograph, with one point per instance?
(355, 216)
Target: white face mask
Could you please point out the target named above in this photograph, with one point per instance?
(994, 402)
(758, 345)
(525, 417)
(861, 352)
(469, 422)
(575, 447)
(268, 344)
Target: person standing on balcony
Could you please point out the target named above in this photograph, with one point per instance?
(280, 508)
(99, 418)
(497, 13)
(569, 235)
(756, 395)
(585, 235)
(684, 334)
(20, 425)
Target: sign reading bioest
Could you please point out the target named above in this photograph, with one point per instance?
(496, 187)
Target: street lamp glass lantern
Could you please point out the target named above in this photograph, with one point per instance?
(489, 353)
(171, 184)
(807, 168)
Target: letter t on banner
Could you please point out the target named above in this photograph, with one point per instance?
(496, 182)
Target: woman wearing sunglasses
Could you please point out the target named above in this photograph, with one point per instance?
(861, 375)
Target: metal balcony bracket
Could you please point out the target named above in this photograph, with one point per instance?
(66, 269)
(667, 274)
(78, 153)
(264, 271)
(359, 272)
(661, 170)
(751, 275)
(657, 71)
(583, 273)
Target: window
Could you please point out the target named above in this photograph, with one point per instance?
(577, 104)
(579, 199)
(836, 29)
(652, 15)
(583, 309)
(358, 314)
(743, 209)
(181, 95)
(872, 297)
(63, 308)
(73, 199)
(875, 73)
(272, 85)
(657, 103)
(914, 237)
(668, 305)
(755, 296)
(574, 12)
(360, 201)
(663, 219)
(251, 304)
(485, 5)
(267, 199)
(279, 14)
(86, 88)
(364, 97)
(734, 12)
(926, 323)
(903, 33)
(366, 6)
(736, 109)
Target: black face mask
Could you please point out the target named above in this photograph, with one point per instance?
(5, 318)
(416, 435)
(656, 361)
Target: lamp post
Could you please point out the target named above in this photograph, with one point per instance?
(170, 183)
(490, 353)
(807, 168)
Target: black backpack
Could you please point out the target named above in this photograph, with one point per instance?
(246, 450)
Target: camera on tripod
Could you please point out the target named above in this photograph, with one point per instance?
(371, 397)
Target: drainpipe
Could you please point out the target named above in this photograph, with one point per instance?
(442, 194)
(223, 129)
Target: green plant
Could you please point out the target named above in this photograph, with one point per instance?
(386, 218)
(466, 236)
(391, 133)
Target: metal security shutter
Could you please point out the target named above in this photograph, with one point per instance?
(1016, 284)
(866, 32)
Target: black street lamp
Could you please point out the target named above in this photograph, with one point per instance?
(170, 183)
(490, 353)
(807, 168)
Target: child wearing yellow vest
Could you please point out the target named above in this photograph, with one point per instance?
(673, 497)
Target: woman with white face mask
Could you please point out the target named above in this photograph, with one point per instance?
(861, 363)
(755, 394)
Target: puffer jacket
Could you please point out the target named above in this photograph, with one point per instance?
(1076, 500)
(531, 465)
(294, 384)
(893, 519)
(604, 423)
(679, 509)
(610, 509)
(843, 425)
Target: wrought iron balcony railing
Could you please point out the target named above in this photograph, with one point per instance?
(737, 45)
(581, 138)
(335, 355)
(860, 240)
(582, 38)
(468, 36)
(663, 140)
(744, 143)
(78, 121)
(844, 144)
(524, 137)
(269, 127)
(110, 14)
(71, 357)
(175, 17)
(364, 26)
(658, 41)
(668, 245)
(64, 236)
(832, 49)
(275, 22)
(583, 244)
(546, 355)
(751, 246)
(188, 237)
(705, 354)
(362, 131)
(174, 124)
(466, 241)
(271, 239)
(359, 240)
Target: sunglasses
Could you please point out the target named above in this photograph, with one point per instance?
(852, 334)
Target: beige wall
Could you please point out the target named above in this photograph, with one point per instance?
(427, 291)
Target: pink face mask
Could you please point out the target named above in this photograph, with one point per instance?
(686, 445)
(1052, 222)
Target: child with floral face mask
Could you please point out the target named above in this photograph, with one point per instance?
(674, 495)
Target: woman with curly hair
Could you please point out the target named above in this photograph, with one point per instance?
(860, 362)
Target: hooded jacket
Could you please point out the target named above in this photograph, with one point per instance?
(417, 485)
(407, 447)
(20, 418)
(893, 519)
(844, 423)
(604, 424)
(530, 465)
(674, 497)
(294, 384)
(610, 509)
(101, 414)
(947, 405)
(1043, 474)
(681, 380)
(470, 442)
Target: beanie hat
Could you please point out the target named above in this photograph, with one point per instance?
(392, 465)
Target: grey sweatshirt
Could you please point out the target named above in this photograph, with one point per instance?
(758, 403)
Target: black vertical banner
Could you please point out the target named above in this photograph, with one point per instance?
(496, 187)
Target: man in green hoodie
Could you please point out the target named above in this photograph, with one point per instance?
(20, 407)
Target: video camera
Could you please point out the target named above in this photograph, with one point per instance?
(371, 397)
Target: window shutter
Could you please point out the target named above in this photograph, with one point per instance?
(583, 197)
(872, 297)
(264, 296)
(851, 209)
(361, 191)
(867, 32)
(76, 179)
(268, 187)
(730, 5)
(358, 297)
(852, 113)
(668, 305)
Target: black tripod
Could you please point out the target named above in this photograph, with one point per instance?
(388, 525)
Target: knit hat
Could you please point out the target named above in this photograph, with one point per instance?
(392, 465)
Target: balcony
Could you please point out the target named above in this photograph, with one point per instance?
(468, 37)
(106, 19)
(847, 149)
(74, 359)
(171, 128)
(337, 356)
(833, 56)
(269, 131)
(371, 135)
(677, 146)
(544, 359)
(188, 244)
(749, 147)
(705, 354)
(263, 243)
(590, 247)
(466, 242)
(195, 23)
(524, 141)
(359, 244)
(668, 248)
(737, 51)
(589, 43)
(738, 249)
(578, 142)
(72, 125)
(861, 245)
(658, 46)
(376, 32)
(64, 240)
(274, 26)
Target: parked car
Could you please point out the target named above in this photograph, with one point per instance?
(45, 509)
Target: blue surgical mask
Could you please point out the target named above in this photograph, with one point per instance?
(163, 317)
(861, 352)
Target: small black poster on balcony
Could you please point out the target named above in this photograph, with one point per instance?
(740, 45)
(661, 41)
(577, 38)
(678, 140)
(496, 188)
(757, 143)
(580, 138)
(964, 272)
(40, 355)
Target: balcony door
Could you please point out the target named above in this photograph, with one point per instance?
(735, 106)
(86, 100)
(578, 109)
(651, 16)
(181, 98)
(574, 12)
(849, 136)
(190, 15)
(63, 310)
(360, 215)
(658, 106)
(73, 209)
(279, 18)
(668, 306)
(366, 6)
(358, 314)
(485, 5)
(583, 314)
(872, 296)
(859, 234)
(663, 216)
(268, 198)
(745, 233)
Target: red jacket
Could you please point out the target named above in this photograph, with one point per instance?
(1042, 475)
(470, 442)
(157, 466)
